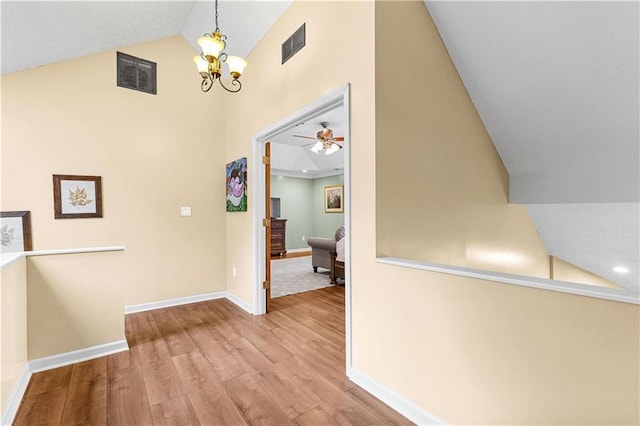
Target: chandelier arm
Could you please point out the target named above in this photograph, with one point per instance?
(234, 82)
(206, 84)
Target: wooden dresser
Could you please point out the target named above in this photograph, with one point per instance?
(278, 234)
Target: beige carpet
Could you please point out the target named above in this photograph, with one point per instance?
(295, 275)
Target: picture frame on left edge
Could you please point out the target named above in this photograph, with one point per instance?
(77, 196)
(15, 231)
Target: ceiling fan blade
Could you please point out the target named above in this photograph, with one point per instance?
(306, 137)
(338, 139)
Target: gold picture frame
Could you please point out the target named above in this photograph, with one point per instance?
(77, 196)
(334, 199)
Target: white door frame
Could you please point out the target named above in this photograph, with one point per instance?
(327, 103)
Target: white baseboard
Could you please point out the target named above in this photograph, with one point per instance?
(132, 309)
(67, 358)
(241, 303)
(13, 403)
(393, 400)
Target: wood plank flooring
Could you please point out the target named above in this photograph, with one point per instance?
(211, 363)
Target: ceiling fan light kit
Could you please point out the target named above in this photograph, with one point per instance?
(325, 141)
(209, 62)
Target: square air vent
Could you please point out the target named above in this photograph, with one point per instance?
(137, 74)
(293, 44)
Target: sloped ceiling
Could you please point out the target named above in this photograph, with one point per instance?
(36, 33)
(555, 83)
(557, 87)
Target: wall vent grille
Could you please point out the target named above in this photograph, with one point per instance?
(137, 74)
(293, 44)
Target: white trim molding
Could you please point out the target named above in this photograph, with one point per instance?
(13, 403)
(618, 295)
(85, 354)
(8, 258)
(403, 406)
(142, 307)
(73, 251)
(132, 309)
(335, 99)
(239, 302)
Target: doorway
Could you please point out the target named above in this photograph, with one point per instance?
(335, 100)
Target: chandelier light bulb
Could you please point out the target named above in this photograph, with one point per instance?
(236, 65)
(211, 45)
(203, 65)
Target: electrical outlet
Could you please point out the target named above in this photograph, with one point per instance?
(304, 238)
(234, 272)
(185, 211)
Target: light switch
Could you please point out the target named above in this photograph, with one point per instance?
(185, 211)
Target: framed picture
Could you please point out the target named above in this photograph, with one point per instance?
(77, 196)
(137, 74)
(15, 231)
(334, 199)
(237, 185)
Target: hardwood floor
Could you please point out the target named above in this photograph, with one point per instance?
(211, 363)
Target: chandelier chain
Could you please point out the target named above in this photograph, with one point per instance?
(217, 26)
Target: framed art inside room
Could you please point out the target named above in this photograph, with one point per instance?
(333, 199)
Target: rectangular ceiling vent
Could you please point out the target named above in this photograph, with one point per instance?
(293, 44)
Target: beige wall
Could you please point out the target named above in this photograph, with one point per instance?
(565, 271)
(468, 351)
(339, 49)
(74, 301)
(154, 153)
(13, 327)
(442, 190)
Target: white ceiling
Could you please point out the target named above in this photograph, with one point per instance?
(42, 32)
(555, 83)
(37, 33)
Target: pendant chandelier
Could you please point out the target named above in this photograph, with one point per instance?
(209, 62)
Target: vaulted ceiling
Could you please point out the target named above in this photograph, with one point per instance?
(555, 83)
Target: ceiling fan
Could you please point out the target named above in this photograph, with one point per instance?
(325, 140)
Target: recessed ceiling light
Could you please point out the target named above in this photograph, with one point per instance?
(304, 171)
(621, 269)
